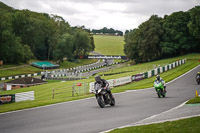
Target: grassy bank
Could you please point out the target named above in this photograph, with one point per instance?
(192, 60)
(109, 45)
(190, 125)
(44, 93)
(194, 100)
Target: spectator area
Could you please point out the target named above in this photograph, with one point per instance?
(44, 65)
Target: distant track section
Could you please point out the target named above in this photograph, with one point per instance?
(102, 57)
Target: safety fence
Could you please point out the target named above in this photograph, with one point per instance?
(77, 89)
(137, 77)
(75, 70)
(55, 75)
(20, 76)
(63, 72)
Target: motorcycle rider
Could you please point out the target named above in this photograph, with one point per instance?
(198, 76)
(103, 84)
(159, 79)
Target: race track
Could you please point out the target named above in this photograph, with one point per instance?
(85, 116)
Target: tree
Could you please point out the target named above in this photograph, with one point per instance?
(92, 42)
(82, 43)
(142, 44)
(126, 32)
(194, 27)
(151, 35)
(131, 45)
(176, 39)
(11, 48)
(64, 48)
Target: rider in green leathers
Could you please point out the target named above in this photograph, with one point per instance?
(158, 78)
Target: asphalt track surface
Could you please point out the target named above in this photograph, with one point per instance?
(85, 116)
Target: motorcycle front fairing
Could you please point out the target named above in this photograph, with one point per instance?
(158, 85)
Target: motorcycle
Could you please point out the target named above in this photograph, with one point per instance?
(159, 89)
(198, 79)
(103, 97)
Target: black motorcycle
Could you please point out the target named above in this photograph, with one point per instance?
(103, 97)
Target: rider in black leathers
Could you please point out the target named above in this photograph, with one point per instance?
(103, 84)
(198, 77)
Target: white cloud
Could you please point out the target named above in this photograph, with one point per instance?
(96, 14)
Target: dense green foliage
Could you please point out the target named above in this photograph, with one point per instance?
(25, 34)
(173, 35)
(110, 31)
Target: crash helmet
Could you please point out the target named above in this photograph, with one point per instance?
(158, 77)
(98, 78)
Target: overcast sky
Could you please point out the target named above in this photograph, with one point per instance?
(96, 14)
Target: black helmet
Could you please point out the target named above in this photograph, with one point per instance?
(97, 78)
(158, 77)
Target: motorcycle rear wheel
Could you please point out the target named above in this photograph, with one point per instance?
(112, 101)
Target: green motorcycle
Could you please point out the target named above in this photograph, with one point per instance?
(159, 89)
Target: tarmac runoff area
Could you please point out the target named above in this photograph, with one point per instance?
(182, 111)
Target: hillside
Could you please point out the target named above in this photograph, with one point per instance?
(109, 45)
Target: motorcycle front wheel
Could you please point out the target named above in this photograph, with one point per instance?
(159, 93)
(100, 101)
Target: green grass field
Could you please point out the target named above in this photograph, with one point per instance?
(194, 100)
(44, 93)
(109, 45)
(190, 125)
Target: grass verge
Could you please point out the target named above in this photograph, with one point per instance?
(194, 100)
(190, 125)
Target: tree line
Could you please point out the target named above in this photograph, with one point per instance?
(173, 35)
(110, 31)
(26, 35)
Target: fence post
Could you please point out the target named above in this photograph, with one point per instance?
(53, 93)
(85, 86)
(78, 90)
(73, 90)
